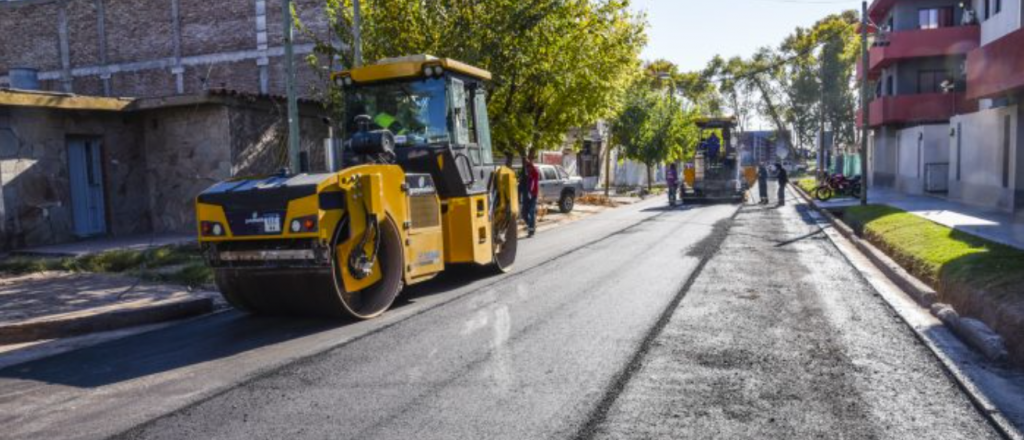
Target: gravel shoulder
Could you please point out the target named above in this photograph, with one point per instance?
(780, 337)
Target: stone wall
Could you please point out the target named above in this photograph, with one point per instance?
(157, 47)
(186, 152)
(190, 148)
(259, 141)
(34, 173)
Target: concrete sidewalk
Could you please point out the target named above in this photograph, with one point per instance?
(50, 305)
(997, 226)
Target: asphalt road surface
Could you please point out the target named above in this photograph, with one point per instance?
(641, 322)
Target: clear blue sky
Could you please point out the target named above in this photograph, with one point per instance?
(691, 32)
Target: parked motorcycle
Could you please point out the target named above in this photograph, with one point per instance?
(838, 185)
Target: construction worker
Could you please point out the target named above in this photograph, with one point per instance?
(762, 183)
(783, 179)
(532, 186)
(672, 179)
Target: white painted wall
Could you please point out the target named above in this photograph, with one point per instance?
(982, 158)
(883, 157)
(998, 25)
(918, 146)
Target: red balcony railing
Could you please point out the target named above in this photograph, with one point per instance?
(996, 68)
(947, 41)
(910, 109)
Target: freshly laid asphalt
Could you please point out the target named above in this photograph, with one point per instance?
(641, 322)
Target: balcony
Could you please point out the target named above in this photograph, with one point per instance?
(948, 41)
(997, 68)
(917, 109)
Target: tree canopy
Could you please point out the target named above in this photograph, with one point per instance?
(653, 127)
(557, 64)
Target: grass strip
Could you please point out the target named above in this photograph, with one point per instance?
(171, 264)
(941, 256)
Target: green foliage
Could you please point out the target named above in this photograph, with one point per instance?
(808, 184)
(653, 127)
(26, 265)
(807, 78)
(820, 81)
(939, 255)
(557, 64)
(193, 270)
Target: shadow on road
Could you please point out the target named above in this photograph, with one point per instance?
(666, 208)
(203, 340)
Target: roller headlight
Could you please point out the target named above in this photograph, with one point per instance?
(304, 225)
(211, 229)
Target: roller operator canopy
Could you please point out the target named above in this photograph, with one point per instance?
(407, 67)
(719, 122)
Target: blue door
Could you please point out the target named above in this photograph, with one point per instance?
(86, 175)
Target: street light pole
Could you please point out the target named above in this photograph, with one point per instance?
(293, 103)
(865, 112)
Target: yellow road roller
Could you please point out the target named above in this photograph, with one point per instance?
(412, 187)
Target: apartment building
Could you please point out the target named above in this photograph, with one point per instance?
(987, 146)
(155, 47)
(918, 67)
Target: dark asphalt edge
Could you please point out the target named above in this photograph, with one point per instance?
(988, 410)
(136, 430)
(708, 248)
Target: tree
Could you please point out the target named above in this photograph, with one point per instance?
(808, 78)
(820, 76)
(653, 127)
(557, 64)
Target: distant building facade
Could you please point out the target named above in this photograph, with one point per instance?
(947, 117)
(917, 62)
(155, 47)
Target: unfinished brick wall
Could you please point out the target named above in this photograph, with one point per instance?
(154, 47)
(29, 35)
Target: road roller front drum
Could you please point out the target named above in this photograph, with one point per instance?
(317, 291)
(376, 299)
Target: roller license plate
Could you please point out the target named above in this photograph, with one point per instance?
(271, 223)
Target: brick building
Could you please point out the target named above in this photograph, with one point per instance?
(156, 47)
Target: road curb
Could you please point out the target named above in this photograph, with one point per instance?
(80, 323)
(964, 329)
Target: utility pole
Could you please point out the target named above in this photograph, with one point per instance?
(865, 111)
(822, 156)
(606, 141)
(293, 102)
(357, 34)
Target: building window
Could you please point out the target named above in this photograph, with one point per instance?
(999, 7)
(930, 81)
(988, 9)
(934, 18)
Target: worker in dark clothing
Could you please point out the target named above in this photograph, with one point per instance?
(783, 179)
(762, 184)
(532, 186)
(672, 179)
